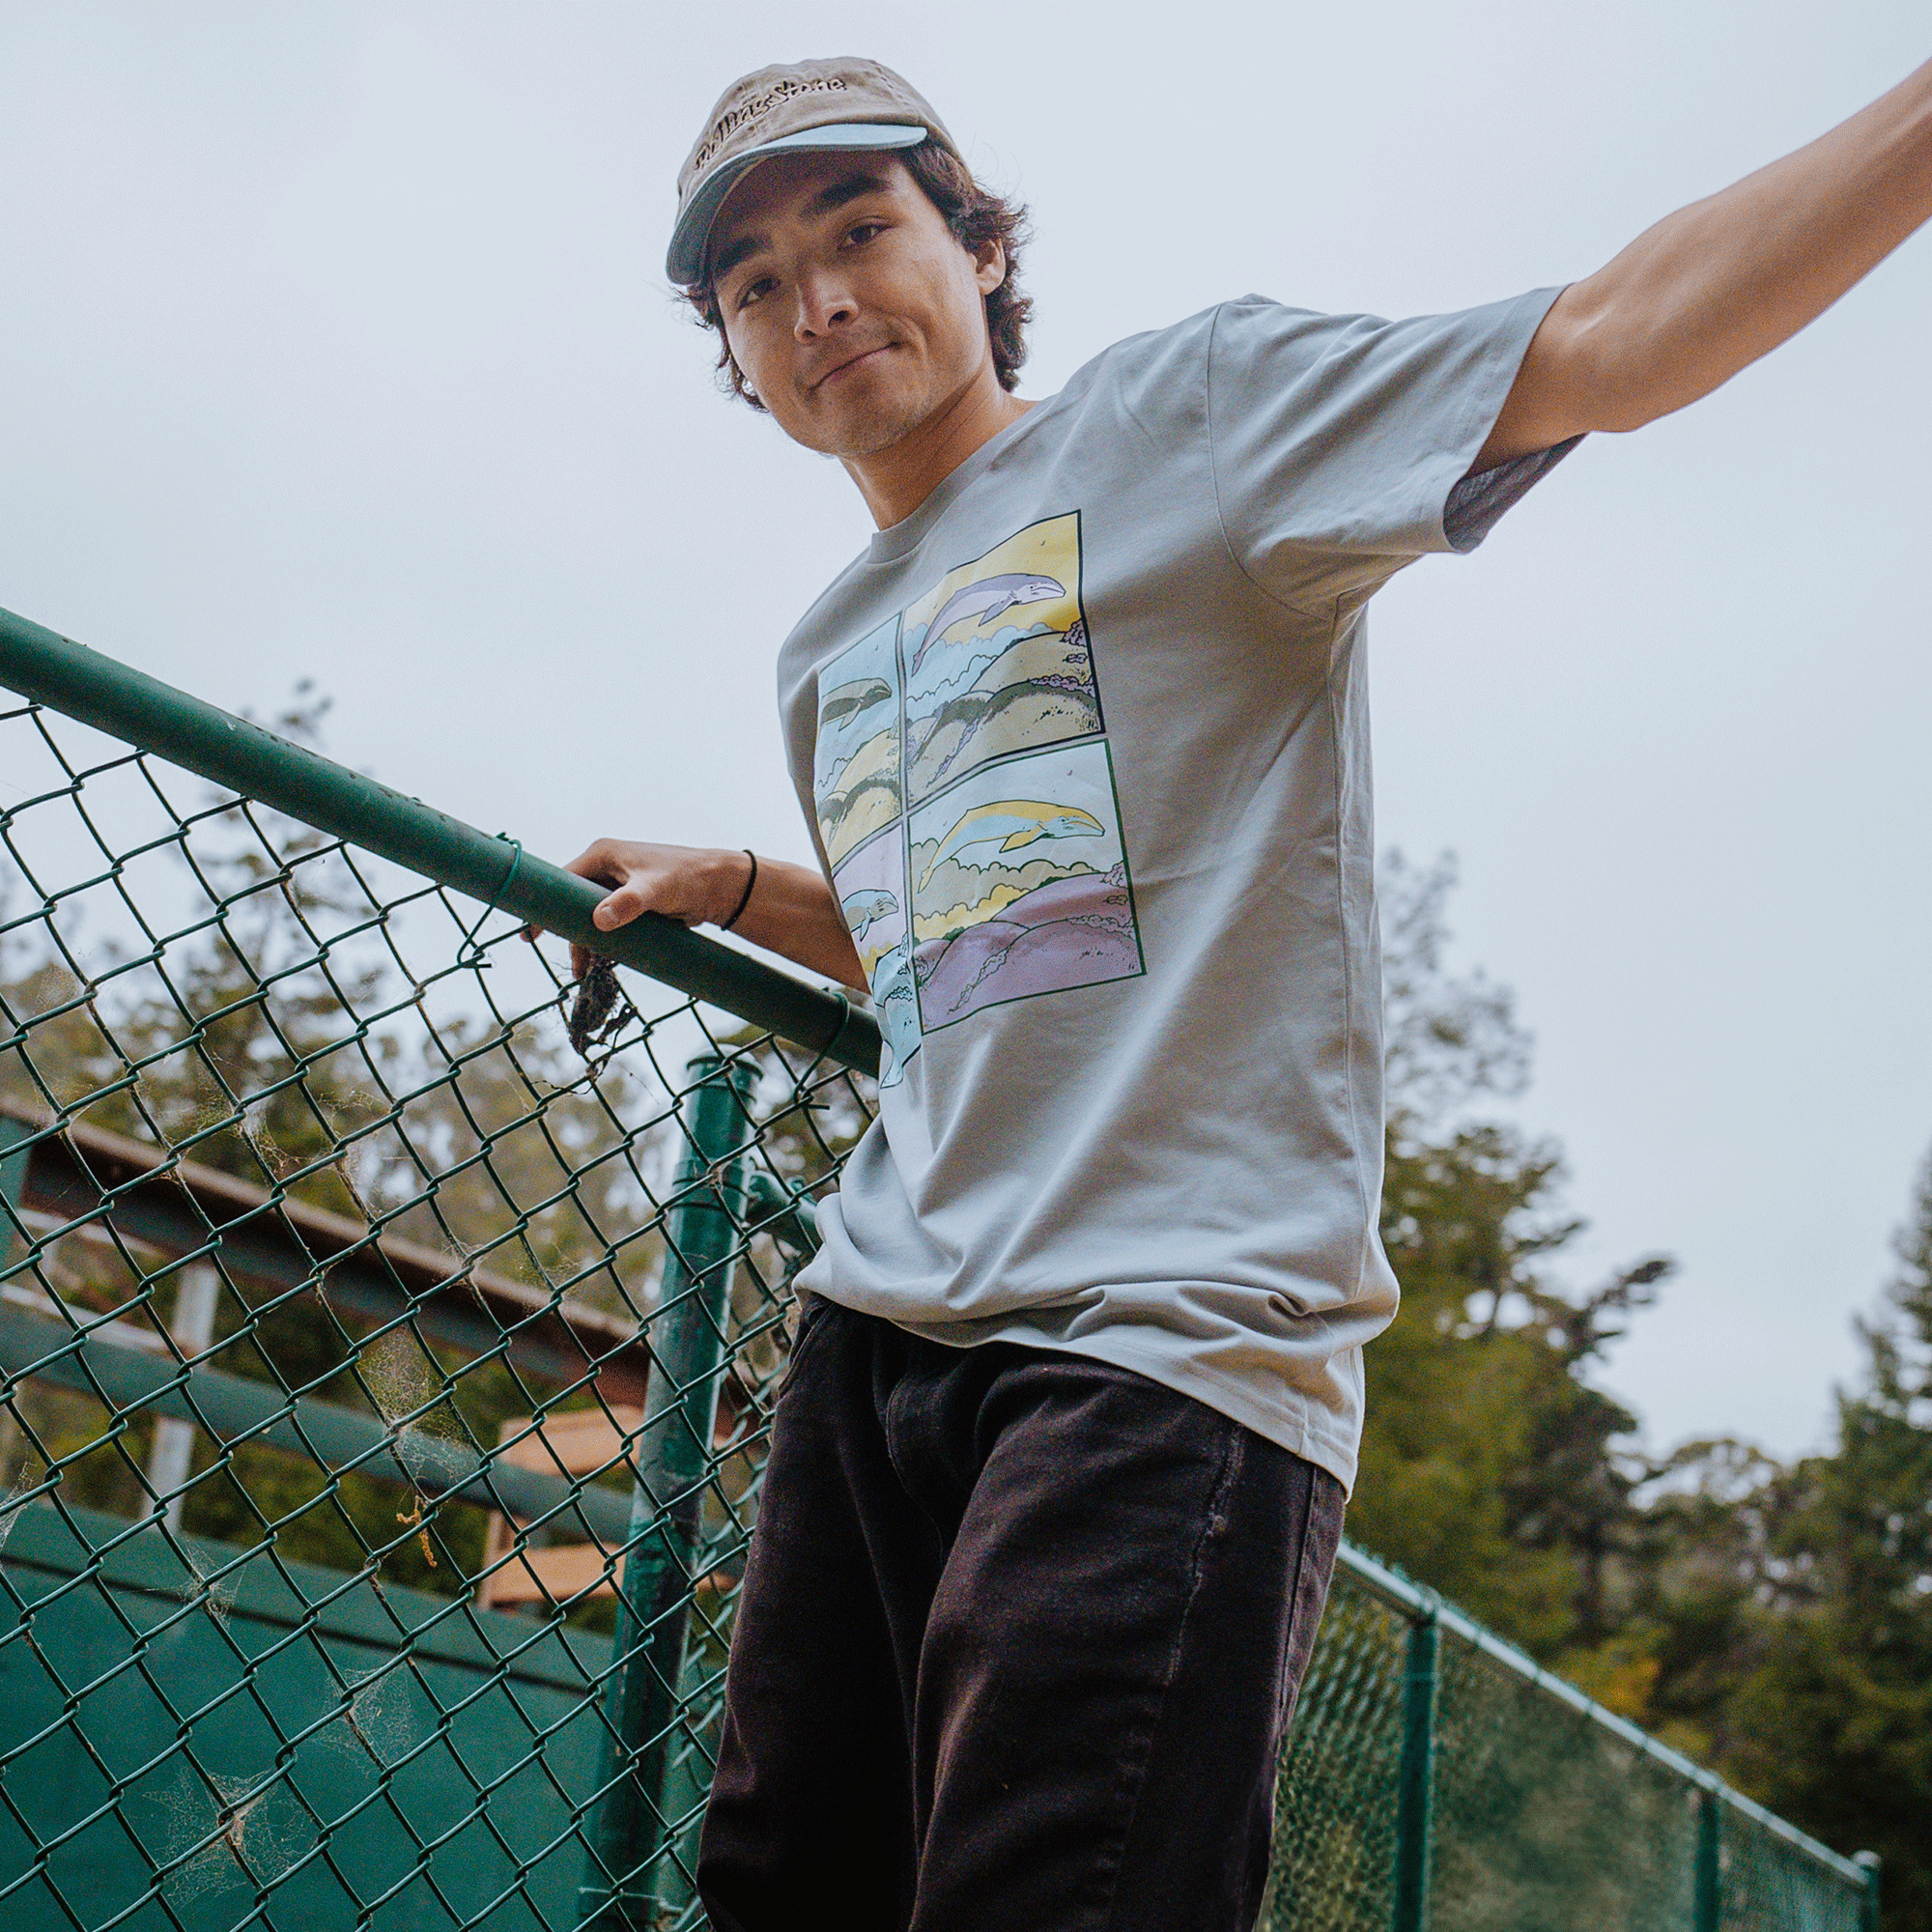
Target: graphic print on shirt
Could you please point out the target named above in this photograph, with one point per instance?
(855, 776)
(996, 658)
(1020, 886)
(978, 707)
(855, 785)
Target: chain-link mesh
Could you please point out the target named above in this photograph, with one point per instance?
(1335, 1808)
(1545, 1818)
(382, 1396)
(337, 1288)
(1770, 1883)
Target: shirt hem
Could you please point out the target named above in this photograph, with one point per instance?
(1276, 1421)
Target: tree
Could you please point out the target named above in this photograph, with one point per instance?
(1492, 1469)
(1835, 1721)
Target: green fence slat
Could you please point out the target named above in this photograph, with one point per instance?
(233, 1409)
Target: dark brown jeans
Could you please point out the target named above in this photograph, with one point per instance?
(1017, 1641)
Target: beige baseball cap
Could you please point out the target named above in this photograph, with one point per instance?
(809, 106)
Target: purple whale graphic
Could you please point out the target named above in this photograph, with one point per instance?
(984, 601)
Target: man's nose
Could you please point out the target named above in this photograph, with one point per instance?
(824, 303)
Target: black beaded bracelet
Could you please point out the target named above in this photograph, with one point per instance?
(745, 897)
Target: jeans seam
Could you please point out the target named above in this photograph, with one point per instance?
(1281, 1689)
(1229, 1474)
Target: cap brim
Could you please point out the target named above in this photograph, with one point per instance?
(685, 260)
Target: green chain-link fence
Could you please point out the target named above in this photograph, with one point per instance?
(384, 1386)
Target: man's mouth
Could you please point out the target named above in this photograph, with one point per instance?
(850, 364)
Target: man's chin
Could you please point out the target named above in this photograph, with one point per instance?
(863, 426)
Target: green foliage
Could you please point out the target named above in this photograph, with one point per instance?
(1491, 1467)
(1774, 1623)
(1835, 1721)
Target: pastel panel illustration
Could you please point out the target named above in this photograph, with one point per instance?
(996, 658)
(1019, 885)
(856, 768)
(873, 895)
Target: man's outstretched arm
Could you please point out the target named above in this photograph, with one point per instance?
(1712, 287)
(790, 910)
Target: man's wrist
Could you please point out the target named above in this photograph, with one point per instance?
(734, 876)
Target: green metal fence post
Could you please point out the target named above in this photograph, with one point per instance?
(1708, 1900)
(1868, 1862)
(630, 1831)
(1415, 1780)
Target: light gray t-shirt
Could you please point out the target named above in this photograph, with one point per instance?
(1084, 747)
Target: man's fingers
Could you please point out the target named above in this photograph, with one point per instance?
(599, 862)
(620, 908)
(579, 961)
(667, 879)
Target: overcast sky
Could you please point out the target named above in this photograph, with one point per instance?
(334, 344)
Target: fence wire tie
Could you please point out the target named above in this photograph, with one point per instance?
(469, 954)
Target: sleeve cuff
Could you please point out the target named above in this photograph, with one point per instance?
(1482, 497)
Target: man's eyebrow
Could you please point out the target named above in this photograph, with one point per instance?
(849, 187)
(835, 195)
(729, 257)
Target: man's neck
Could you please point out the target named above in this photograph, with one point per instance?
(896, 480)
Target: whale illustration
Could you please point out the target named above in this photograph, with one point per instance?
(845, 701)
(1010, 823)
(984, 601)
(862, 909)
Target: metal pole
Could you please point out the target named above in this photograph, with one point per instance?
(630, 1831)
(141, 710)
(1415, 1780)
(14, 1156)
(1868, 1862)
(1708, 1900)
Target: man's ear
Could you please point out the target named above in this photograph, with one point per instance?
(989, 266)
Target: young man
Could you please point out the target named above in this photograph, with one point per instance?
(1058, 1472)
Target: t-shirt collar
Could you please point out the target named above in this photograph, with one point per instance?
(902, 538)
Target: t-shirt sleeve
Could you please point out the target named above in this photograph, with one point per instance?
(1342, 444)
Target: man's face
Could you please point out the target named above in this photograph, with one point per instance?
(850, 308)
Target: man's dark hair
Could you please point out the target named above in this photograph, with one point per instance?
(973, 216)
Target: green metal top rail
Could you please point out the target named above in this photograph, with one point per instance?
(128, 704)
(256, 763)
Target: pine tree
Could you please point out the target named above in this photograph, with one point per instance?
(1491, 1468)
(1837, 1718)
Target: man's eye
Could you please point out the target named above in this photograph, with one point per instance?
(864, 231)
(753, 291)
